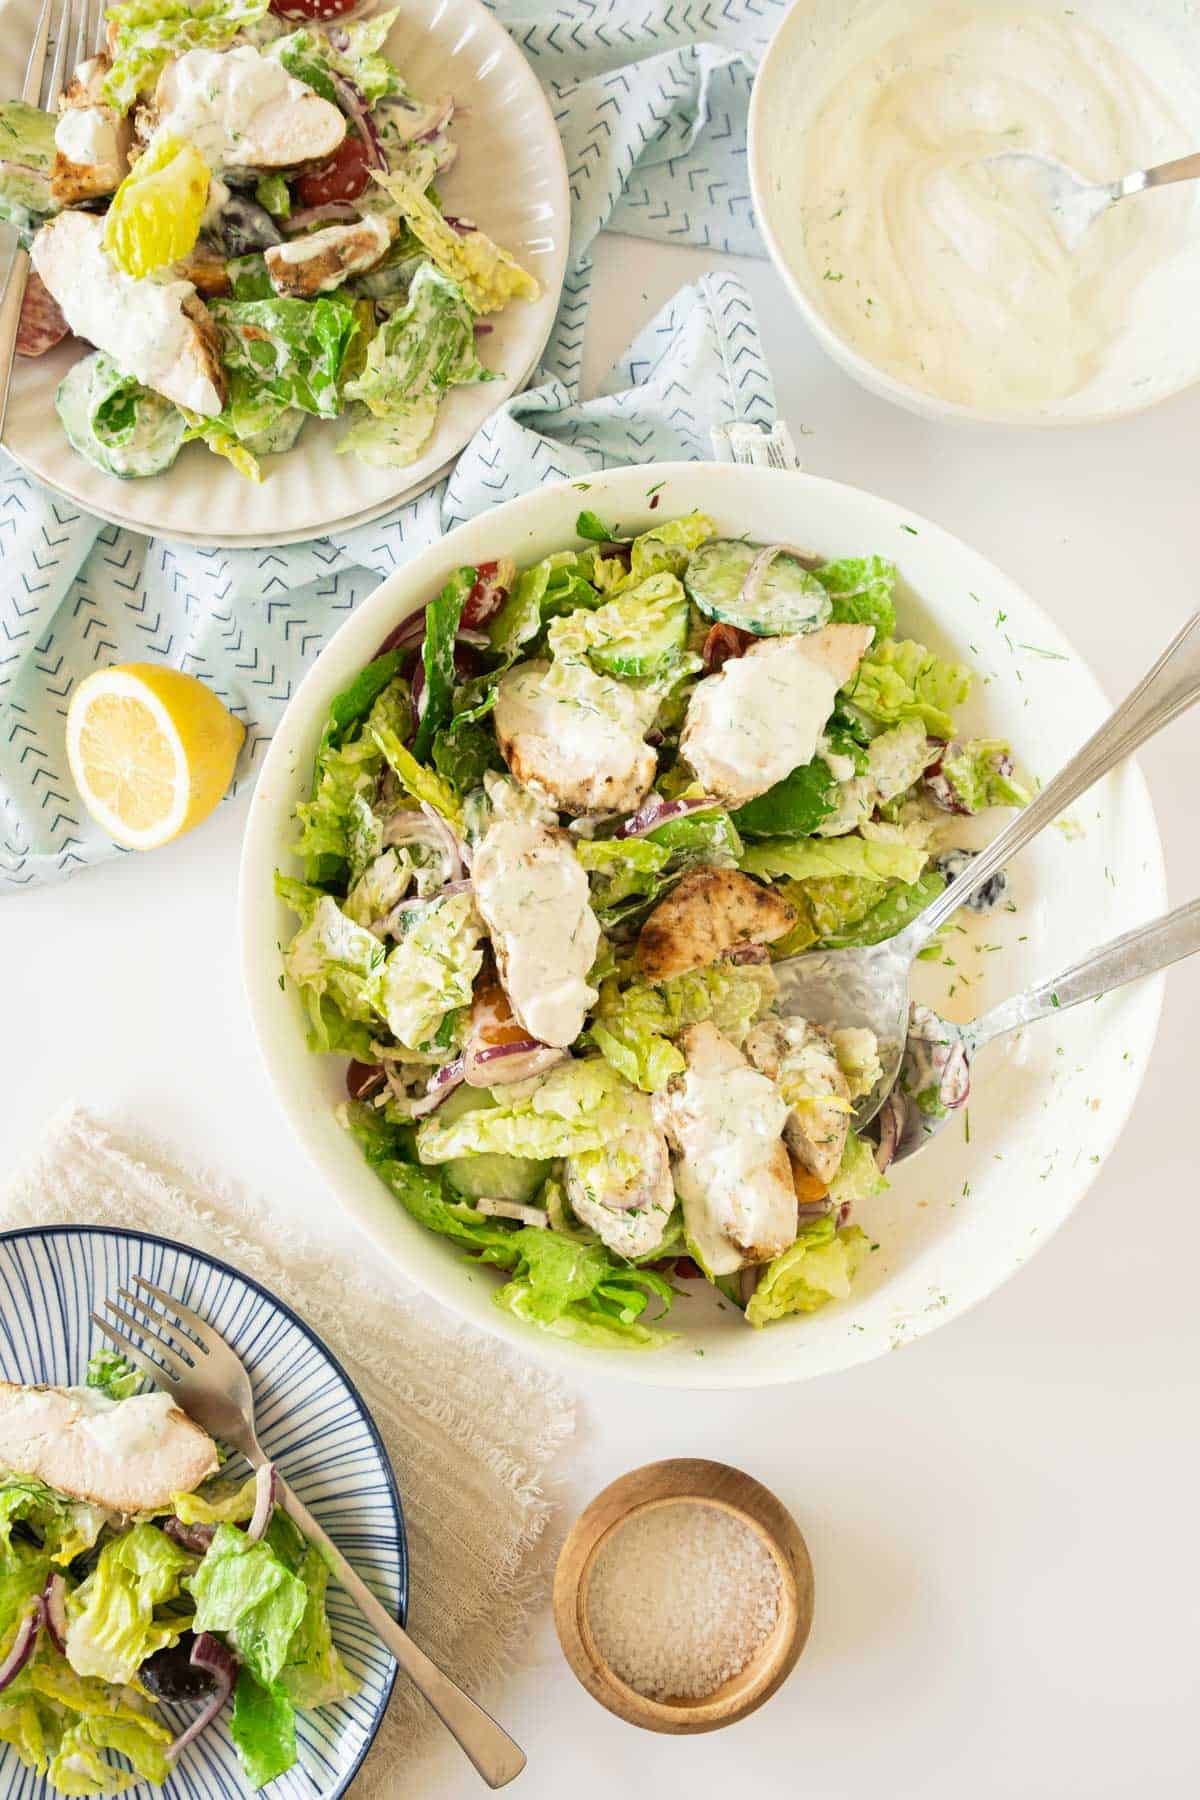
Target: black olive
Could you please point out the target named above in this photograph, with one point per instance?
(985, 899)
(169, 1674)
(245, 226)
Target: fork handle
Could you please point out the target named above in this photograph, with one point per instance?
(489, 1747)
(1184, 168)
(1128, 958)
(10, 323)
(1168, 689)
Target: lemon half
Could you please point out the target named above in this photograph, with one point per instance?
(152, 751)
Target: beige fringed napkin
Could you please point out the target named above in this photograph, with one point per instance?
(471, 1429)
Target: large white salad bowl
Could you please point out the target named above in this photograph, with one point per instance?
(1045, 1111)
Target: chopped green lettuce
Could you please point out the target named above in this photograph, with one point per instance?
(858, 1177)
(641, 632)
(65, 1527)
(432, 970)
(979, 773)
(861, 588)
(218, 1505)
(420, 351)
(794, 807)
(245, 1592)
(332, 955)
(291, 350)
(638, 870)
(900, 679)
(820, 1266)
(442, 617)
(112, 1374)
(355, 52)
(577, 1106)
(666, 548)
(803, 858)
(26, 153)
(262, 1725)
(558, 584)
(145, 35)
(422, 783)
(112, 1622)
(487, 275)
(347, 769)
(897, 907)
(633, 1025)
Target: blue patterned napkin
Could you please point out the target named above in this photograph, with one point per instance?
(651, 100)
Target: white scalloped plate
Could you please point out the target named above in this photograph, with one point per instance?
(510, 178)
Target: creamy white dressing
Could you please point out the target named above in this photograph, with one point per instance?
(240, 108)
(140, 324)
(533, 896)
(947, 270)
(759, 719)
(579, 745)
(88, 135)
(625, 1191)
(370, 236)
(732, 1173)
(122, 1428)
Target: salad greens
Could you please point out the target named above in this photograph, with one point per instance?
(539, 804)
(330, 286)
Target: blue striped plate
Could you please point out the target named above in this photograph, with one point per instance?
(311, 1421)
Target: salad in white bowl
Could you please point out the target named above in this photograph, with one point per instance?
(237, 205)
(558, 829)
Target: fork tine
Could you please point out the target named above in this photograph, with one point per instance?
(100, 33)
(178, 1364)
(32, 89)
(153, 1371)
(56, 80)
(84, 33)
(208, 1338)
(170, 1330)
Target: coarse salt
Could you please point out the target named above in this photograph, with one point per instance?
(680, 1598)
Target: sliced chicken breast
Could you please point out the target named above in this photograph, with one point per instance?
(242, 110)
(324, 259)
(801, 1061)
(125, 1455)
(532, 894)
(583, 750)
(763, 714)
(711, 912)
(157, 331)
(625, 1191)
(92, 140)
(725, 1120)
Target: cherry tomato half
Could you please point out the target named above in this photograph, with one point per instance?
(312, 9)
(343, 177)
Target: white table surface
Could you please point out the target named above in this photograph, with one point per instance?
(1002, 1518)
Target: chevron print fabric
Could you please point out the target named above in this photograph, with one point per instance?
(651, 103)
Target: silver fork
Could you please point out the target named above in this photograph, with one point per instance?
(193, 1363)
(42, 88)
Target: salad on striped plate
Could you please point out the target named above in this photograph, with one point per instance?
(559, 828)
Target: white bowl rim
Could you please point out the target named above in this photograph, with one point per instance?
(771, 70)
(364, 630)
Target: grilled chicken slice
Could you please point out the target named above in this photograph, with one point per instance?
(711, 912)
(242, 110)
(324, 259)
(624, 1191)
(582, 751)
(157, 331)
(800, 1060)
(128, 1456)
(724, 1120)
(207, 270)
(92, 140)
(763, 714)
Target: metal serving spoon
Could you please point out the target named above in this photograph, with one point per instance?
(935, 1077)
(868, 985)
(1076, 204)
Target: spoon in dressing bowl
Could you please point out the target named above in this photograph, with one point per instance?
(935, 1076)
(868, 985)
(1076, 204)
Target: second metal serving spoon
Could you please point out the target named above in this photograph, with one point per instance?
(868, 985)
(1076, 204)
(935, 1076)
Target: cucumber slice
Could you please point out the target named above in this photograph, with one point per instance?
(788, 597)
(496, 1176)
(644, 648)
(115, 423)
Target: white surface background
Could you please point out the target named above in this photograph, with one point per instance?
(1002, 1517)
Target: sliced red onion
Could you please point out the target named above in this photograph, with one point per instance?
(210, 1654)
(450, 848)
(23, 1645)
(430, 828)
(512, 1209)
(749, 953)
(843, 1213)
(359, 115)
(440, 114)
(464, 227)
(333, 212)
(54, 1606)
(195, 1538)
(892, 1116)
(812, 1209)
(483, 328)
(656, 811)
(496, 1065)
(363, 1079)
(406, 635)
(954, 1087)
(265, 1483)
(441, 1085)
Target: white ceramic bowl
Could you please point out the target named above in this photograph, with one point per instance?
(1159, 354)
(510, 176)
(1045, 1111)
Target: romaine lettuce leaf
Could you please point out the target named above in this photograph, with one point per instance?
(442, 617)
(639, 869)
(420, 351)
(900, 679)
(979, 773)
(314, 1674)
(245, 1592)
(896, 908)
(861, 590)
(633, 1025)
(347, 767)
(464, 751)
(146, 34)
(858, 1177)
(580, 1291)
(422, 783)
(818, 1267)
(112, 1374)
(24, 1571)
(356, 53)
(112, 1624)
(218, 1505)
(262, 1725)
(432, 970)
(291, 350)
(488, 276)
(794, 807)
(557, 584)
(79, 1768)
(26, 153)
(331, 954)
(65, 1527)
(575, 1107)
(639, 633)
(804, 858)
(666, 547)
